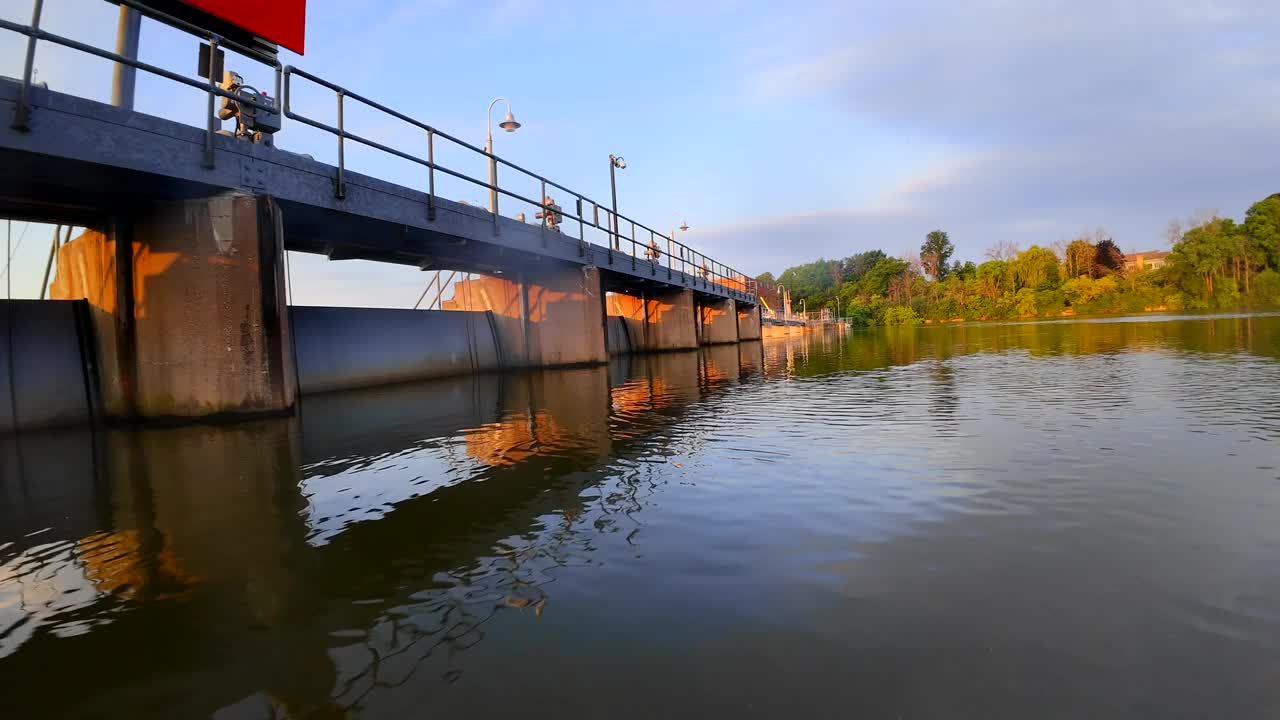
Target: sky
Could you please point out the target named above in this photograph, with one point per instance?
(780, 132)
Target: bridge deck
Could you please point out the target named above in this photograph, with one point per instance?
(82, 161)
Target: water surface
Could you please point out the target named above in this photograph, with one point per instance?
(1068, 520)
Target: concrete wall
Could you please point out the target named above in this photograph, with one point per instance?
(776, 331)
(718, 322)
(660, 320)
(45, 360)
(748, 322)
(544, 318)
(188, 302)
(343, 348)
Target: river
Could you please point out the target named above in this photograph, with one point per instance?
(1048, 520)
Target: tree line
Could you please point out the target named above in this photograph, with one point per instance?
(1215, 263)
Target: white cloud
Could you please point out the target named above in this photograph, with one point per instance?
(1070, 115)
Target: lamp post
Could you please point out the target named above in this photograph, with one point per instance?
(508, 124)
(617, 163)
(683, 227)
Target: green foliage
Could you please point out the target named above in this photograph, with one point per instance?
(935, 252)
(901, 316)
(1217, 264)
(855, 267)
(1266, 288)
(1262, 226)
(766, 277)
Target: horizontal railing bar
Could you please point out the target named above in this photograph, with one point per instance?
(203, 86)
(290, 70)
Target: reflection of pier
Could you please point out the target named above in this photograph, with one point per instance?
(201, 576)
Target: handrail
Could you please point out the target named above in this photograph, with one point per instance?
(693, 265)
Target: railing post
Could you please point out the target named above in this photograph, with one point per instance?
(211, 130)
(340, 187)
(546, 220)
(22, 113)
(431, 175)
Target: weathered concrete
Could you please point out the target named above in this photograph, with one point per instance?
(748, 321)
(45, 364)
(545, 318)
(776, 331)
(344, 348)
(662, 320)
(718, 322)
(188, 302)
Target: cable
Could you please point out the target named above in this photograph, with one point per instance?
(11, 251)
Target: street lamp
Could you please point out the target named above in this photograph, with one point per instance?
(508, 124)
(618, 163)
(684, 227)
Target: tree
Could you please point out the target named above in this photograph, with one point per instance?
(766, 277)
(934, 254)
(1080, 257)
(1035, 268)
(1206, 251)
(877, 279)
(856, 266)
(1002, 250)
(1107, 258)
(1262, 225)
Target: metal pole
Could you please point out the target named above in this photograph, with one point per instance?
(48, 265)
(128, 30)
(340, 186)
(212, 119)
(22, 113)
(613, 187)
(493, 175)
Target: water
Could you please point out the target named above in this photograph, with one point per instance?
(1040, 520)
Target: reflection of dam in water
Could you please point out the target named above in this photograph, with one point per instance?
(298, 563)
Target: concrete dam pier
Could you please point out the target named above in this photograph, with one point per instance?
(177, 311)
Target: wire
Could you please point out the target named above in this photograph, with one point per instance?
(11, 251)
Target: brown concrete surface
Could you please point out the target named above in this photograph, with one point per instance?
(544, 318)
(194, 326)
(748, 322)
(718, 322)
(662, 320)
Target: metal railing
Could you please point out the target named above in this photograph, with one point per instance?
(649, 249)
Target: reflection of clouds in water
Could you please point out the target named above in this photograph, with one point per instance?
(42, 584)
(373, 487)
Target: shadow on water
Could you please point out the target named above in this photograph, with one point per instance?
(293, 566)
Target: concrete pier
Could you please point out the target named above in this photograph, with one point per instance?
(548, 317)
(657, 320)
(187, 303)
(748, 321)
(717, 322)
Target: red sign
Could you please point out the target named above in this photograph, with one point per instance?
(283, 22)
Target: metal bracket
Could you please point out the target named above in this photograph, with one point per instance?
(253, 174)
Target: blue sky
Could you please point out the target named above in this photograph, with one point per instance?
(782, 131)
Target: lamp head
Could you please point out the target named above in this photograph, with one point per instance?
(684, 227)
(618, 162)
(509, 122)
